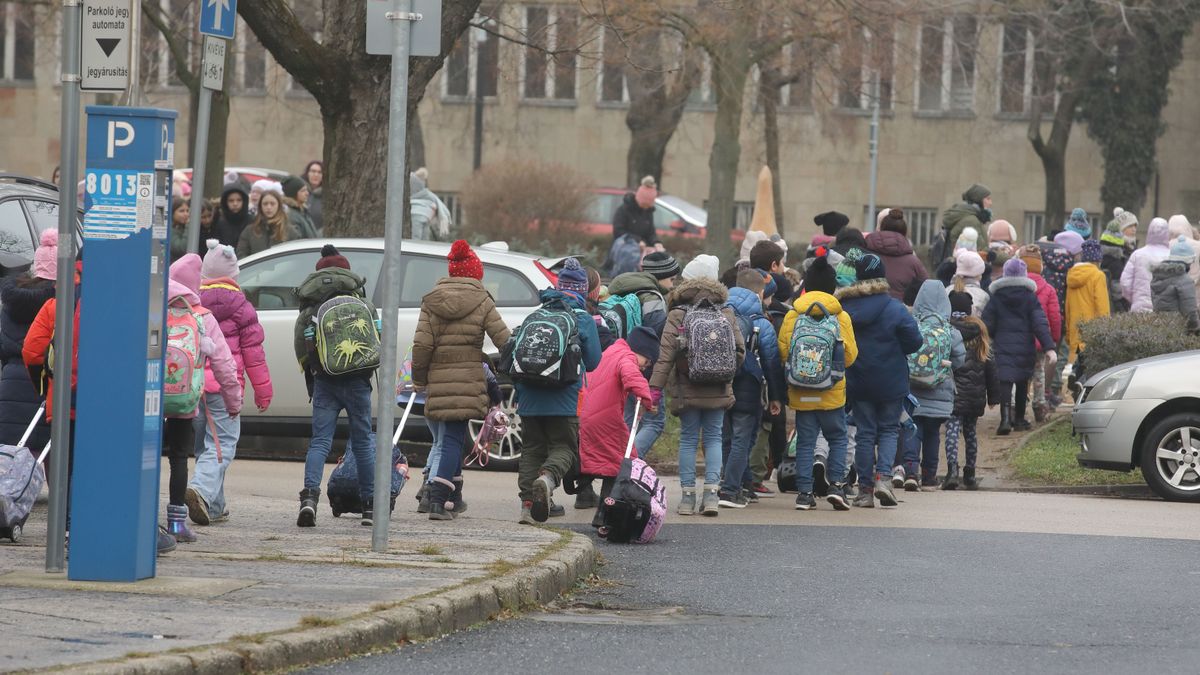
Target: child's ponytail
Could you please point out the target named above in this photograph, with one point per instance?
(982, 345)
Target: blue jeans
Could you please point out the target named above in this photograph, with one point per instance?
(740, 433)
(651, 428)
(878, 425)
(832, 425)
(693, 423)
(449, 439)
(330, 398)
(435, 449)
(921, 452)
(218, 435)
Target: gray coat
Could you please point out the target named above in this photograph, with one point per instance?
(1173, 291)
(937, 402)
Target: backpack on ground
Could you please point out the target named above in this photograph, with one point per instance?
(635, 509)
(711, 345)
(930, 365)
(346, 339)
(183, 379)
(816, 355)
(622, 313)
(545, 349)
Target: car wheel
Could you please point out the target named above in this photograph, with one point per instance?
(1171, 458)
(505, 455)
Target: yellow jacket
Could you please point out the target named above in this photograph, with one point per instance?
(807, 399)
(1087, 298)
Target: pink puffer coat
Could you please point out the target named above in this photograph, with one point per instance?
(603, 434)
(1135, 280)
(239, 322)
(1048, 298)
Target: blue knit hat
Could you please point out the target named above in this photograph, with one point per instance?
(644, 341)
(1078, 223)
(869, 267)
(573, 278)
(1182, 251)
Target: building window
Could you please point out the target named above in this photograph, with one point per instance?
(797, 94)
(16, 41)
(159, 67)
(311, 15)
(866, 57)
(947, 65)
(704, 94)
(251, 67)
(612, 85)
(1025, 72)
(475, 48)
(922, 222)
(548, 68)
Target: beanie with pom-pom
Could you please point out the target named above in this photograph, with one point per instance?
(821, 276)
(464, 262)
(45, 259)
(572, 278)
(331, 258)
(220, 262)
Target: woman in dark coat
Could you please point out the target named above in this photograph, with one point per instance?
(1014, 319)
(905, 272)
(22, 297)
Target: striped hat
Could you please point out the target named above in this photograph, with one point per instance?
(661, 265)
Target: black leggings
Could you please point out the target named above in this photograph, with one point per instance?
(179, 438)
(1022, 399)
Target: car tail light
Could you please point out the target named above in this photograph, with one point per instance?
(550, 276)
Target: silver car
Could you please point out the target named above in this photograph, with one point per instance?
(267, 278)
(1145, 414)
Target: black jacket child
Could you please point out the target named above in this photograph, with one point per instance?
(975, 383)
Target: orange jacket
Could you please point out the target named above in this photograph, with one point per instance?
(37, 345)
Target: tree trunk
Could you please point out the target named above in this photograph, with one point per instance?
(352, 90)
(770, 99)
(1053, 153)
(655, 108)
(731, 69)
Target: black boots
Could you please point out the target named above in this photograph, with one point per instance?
(968, 480)
(1019, 423)
(308, 507)
(1005, 427)
(951, 480)
(585, 498)
(460, 504)
(439, 494)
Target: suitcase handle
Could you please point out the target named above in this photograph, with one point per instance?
(37, 417)
(403, 420)
(637, 412)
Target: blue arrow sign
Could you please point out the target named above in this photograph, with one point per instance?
(217, 18)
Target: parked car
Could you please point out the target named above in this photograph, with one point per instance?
(248, 174)
(1145, 414)
(267, 278)
(673, 216)
(27, 207)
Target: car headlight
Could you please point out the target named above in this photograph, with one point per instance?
(1113, 387)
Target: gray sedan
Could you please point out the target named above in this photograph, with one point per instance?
(1145, 414)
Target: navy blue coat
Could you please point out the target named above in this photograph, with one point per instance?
(760, 366)
(886, 334)
(22, 298)
(1014, 318)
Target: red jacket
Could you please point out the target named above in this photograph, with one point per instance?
(37, 344)
(603, 434)
(1048, 298)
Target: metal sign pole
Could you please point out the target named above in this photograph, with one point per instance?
(199, 166)
(401, 17)
(64, 337)
(874, 143)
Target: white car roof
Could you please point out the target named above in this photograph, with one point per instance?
(435, 248)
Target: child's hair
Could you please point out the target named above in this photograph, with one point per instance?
(981, 345)
(960, 285)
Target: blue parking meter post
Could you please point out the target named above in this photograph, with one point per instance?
(122, 316)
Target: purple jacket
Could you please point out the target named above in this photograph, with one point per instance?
(239, 323)
(903, 269)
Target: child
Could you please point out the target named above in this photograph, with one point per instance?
(1015, 320)
(1172, 287)
(700, 407)
(1135, 279)
(967, 277)
(1048, 297)
(761, 366)
(820, 411)
(603, 433)
(1116, 245)
(935, 404)
(217, 432)
(585, 495)
(1087, 294)
(975, 388)
(179, 437)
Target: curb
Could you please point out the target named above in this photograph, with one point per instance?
(422, 618)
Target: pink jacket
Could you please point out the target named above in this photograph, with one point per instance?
(1135, 280)
(603, 434)
(184, 287)
(1048, 298)
(243, 332)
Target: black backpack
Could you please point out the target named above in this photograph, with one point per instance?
(545, 350)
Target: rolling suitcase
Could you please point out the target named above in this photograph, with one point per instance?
(637, 506)
(21, 480)
(342, 488)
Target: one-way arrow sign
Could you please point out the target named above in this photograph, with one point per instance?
(217, 18)
(104, 62)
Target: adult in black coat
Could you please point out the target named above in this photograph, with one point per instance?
(635, 215)
(233, 216)
(1014, 319)
(22, 297)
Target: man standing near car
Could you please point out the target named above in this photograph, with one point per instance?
(633, 229)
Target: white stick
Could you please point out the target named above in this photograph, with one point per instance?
(404, 419)
(45, 451)
(637, 411)
(37, 417)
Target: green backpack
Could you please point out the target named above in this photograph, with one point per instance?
(347, 341)
(929, 366)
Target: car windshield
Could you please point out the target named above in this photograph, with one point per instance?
(692, 213)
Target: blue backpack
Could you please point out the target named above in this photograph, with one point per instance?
(929, 366)
(816, 355)
(622, 313)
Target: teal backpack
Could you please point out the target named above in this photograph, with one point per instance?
(929, 366)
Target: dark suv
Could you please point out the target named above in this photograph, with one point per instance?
(27, 207)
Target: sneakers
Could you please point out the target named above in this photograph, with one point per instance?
(224, 517)
(527, 514)
(586, 498)
(910, 484)
(820, 481)
(898, 477)
(837, 497)
(805, 501)
(709, 505)
(731, 500)
(969, 481)
(749, 496)
(864, 500)
(883, 492)
(166, 543)
(556, 510)
(543, 487)
(763, 491)
(950, 482)
(197, 508)
(687, 503)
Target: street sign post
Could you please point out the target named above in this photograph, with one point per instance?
(217, 18)
(212, 78)
(122, 321)
(426, 39)
(105, 45)
(212, 67)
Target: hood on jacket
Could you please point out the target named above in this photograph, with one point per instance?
(956, 213)
(1165, 270)
(693, 291)
(573, 300)
(455, 297)
(874, 292)
(744, 302)
(241, 217)
(634, 282)
(1178, 226)
(178, 293)
(1159, 233)
(186, 271)
(969, 330)
(932, 299)
(805, 302)
(23, 297)
(1081, 274)
(1004, 283)
(891, 244)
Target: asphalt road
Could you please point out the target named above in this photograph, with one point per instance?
(709, 598)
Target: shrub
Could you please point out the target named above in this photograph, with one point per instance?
(1121, 338)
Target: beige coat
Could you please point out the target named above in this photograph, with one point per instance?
(448, 348)
(683, 393)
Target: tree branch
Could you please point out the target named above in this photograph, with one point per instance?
(318, 68)
(178, 49)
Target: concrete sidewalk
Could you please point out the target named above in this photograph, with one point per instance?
(272, 595)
